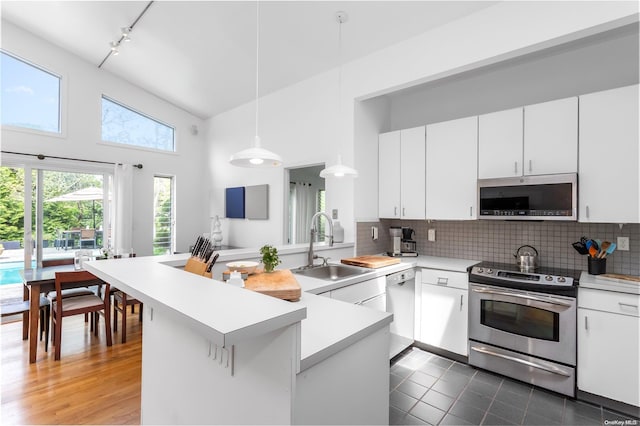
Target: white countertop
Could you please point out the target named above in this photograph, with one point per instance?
(445, 263)
(250, 253)
(228, 314)
(599, 282)
(225, 313)
(332, 325)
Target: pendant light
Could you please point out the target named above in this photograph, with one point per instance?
(256, 156)
(339, 170)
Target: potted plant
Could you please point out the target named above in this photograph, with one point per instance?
(269, 258)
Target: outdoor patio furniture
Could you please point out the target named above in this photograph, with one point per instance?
(87, 238)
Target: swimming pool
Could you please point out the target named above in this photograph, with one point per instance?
(10, 272)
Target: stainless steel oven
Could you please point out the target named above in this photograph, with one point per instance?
(523, 325)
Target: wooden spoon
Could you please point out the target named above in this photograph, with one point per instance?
(603, 249)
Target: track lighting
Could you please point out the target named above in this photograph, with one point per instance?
(115, 47)
(126, 34)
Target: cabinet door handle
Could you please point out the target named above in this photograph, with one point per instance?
(395, 210)
(471, 211)
(629, 305)
(530, 168)
(515, 163)
(587, 211)
(403, 212)
(586, 323)
(461, 297)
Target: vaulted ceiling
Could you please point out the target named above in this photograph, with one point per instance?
(201, 55)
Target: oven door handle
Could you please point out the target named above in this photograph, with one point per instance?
(524, 296)
(551, 369)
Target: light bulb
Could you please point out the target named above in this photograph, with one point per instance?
(339, 174)
(256, 161)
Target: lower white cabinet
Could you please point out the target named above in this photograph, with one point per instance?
(444, 310)
(609, 345)
(370, 293)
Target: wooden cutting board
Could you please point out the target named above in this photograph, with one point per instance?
(371, 261)
(622, 277)
(280, 283)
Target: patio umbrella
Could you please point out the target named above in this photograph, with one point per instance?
(85, 194)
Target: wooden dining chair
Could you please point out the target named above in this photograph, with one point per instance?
(70, 292)
(23, 307)
(120, 302)
(64, 307)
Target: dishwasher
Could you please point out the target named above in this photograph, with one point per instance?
(400, 291)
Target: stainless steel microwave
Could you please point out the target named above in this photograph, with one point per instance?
(544, 197)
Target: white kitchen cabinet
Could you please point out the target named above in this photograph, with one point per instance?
(551, 137)
(452, 169)
(401, 174)
(608, 345)
(608, 162)
(366, 293)
(389, 175)
(500, 144)
(444, 310)
(538, 139)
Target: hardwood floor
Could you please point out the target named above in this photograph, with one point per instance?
(91, 384)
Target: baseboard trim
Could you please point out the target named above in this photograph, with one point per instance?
(610, 404)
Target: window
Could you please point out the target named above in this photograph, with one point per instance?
(30, 95)
(121, 124)
(163, 232)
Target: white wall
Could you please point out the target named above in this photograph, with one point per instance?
(296, 121)
(83, 86)
(599, 63)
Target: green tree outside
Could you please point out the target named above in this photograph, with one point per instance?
(57, 215)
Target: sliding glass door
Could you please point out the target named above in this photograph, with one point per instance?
(65, 211)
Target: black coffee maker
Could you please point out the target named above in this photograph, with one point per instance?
(408, 246)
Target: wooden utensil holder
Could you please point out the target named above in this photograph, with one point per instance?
(197, 266)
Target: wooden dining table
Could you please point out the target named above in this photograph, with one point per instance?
(38, 281)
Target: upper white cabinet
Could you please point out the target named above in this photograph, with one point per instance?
(401, 174)
(551, 137)
(389, 175)
(452, 169)
(500, 144)
(538, 139)
(609, 181)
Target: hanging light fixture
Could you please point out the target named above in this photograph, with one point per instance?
(256, 156)
(339, 169)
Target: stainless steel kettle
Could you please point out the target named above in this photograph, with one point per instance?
(526, 261)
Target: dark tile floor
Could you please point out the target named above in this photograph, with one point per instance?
(429, 389)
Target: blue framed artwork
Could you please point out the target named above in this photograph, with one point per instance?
(234, 202)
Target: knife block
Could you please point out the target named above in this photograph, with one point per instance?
(196, 266)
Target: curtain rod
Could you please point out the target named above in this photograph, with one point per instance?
(42, 157)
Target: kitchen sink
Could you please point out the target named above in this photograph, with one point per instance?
(331, 272)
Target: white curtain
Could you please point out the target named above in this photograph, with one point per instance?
(122, 206)
(304, 209)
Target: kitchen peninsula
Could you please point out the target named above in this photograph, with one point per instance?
(213, 353)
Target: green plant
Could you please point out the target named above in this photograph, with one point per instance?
(269, 257)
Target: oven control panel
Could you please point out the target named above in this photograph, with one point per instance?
(522, 277)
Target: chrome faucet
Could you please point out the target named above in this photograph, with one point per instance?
(314, 231)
